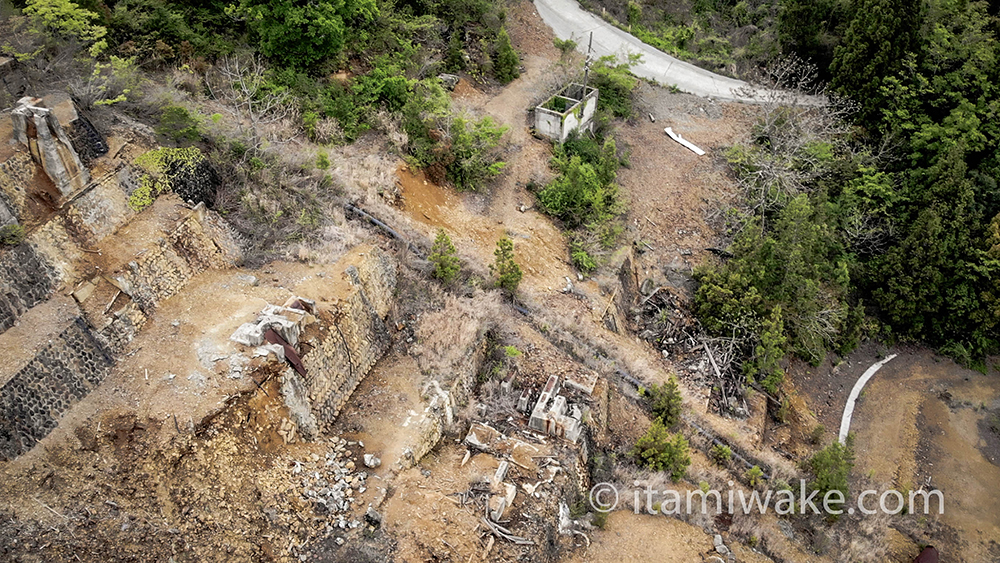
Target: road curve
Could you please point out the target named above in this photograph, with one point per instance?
(845, 421)
(569, 21)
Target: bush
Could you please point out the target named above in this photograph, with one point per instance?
(506, 270)
(11, 235)
(446, 264)
(831, 466)
(65, 19)
(721, 454)
(754, 475)
(178, 125)
(582, 259)
(584, 192)
(616, 84)
(565, 46)
(660, 450)
(665, 401)
(472, 159)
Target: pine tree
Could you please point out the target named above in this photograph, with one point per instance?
(875, 48)
(446, 265)
(455, 60)
(507, 271)
(507, 64)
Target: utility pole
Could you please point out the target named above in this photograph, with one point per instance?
(586, 66)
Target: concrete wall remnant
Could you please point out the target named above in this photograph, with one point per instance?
(571, 109)
(552, 419)
(338, 339)
(38, 128)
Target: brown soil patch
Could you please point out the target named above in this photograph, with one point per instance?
(917, 425)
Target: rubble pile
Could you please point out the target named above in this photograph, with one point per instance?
(331, 482)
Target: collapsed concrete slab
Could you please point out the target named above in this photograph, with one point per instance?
(38, 128)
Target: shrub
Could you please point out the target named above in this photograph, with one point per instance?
(721, 454)
(565, 46)
(511, 351)
(473, 160)
(816, 436)
(507, 65)
(11, 235)
(616, 83)
(322, 161)
(582, 259)
(178, 125)
(665, 401)
(446, 264)
(66, 19)
(660, 450)
(754, 475)
(504, 267)
(831, 466)
(584, 192)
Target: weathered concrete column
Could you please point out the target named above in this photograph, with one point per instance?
(37, 128)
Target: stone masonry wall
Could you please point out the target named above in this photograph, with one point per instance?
(198, 243)
(354, 338)
(26, 279)
(15, 175)
(165, 269)
(61, 374)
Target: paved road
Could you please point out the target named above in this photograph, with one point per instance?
(569, 21)
(845, 421)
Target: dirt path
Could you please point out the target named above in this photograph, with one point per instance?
(922, 423)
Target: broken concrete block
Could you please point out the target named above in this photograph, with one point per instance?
(38, 128)
(249, 334)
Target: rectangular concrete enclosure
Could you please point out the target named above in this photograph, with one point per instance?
(570, 109)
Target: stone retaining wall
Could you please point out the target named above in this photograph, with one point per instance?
(26, 279)
(353, 336)
(62, 373)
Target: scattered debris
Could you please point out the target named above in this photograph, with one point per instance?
(683, 141)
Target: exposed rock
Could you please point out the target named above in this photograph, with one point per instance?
(371, 461)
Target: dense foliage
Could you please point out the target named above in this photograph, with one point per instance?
(888, 206)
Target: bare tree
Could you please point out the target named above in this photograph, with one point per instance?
(262, 115)
(801, 126)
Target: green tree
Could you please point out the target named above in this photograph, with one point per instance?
(875, 46)
(660, 450)
(455, 60)
(504, 267)
(66, 19)
(178, 125)
(507, 65)
(665, 401)
(831, 467)
(446, 264)
(721, 454)
(303, 33)
(765, 363)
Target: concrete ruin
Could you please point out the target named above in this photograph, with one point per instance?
(339, 341)
(570, 109)
(553, 415)
(38, 128)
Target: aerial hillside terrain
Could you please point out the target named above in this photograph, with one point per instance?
(499, 280)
